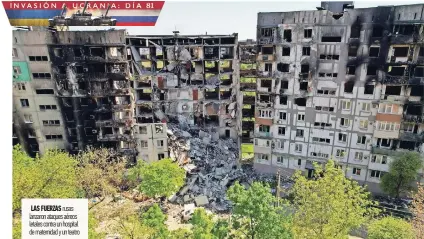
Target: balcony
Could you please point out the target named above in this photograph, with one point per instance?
(385, 151)
(114, 137)
(409, 136)
(413, 118)
(263, 135)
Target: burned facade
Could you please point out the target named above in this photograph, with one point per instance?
(339, 83)
(192, 80)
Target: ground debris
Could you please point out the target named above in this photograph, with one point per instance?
(211, 165)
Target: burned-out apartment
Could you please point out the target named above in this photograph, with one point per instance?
(339, 83)
(190, 80)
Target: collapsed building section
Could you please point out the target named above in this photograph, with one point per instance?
(93, 88)
(193, 79)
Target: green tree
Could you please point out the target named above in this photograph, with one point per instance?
(161, 178)
(255, 214)
(330, 206)
(93, 223)
(390, 228)
(130, 227)
(202, 224)
(155, 219)
(51, 176)
(402, 171)
(221, 229)
(181, 234)
(101, 172)
(17, 227)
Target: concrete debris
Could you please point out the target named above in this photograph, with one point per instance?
(211, 165)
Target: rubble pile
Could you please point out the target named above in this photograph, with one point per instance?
(211, 167)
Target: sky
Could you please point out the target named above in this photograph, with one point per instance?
(194, 18)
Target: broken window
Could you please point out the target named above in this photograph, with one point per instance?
(267, 50)
(96, 51)
(266, 83)
(58, 52)
(266, 32)
(329, 57)
(377, 31)
(38, 58)
(287, 35)
(21, 86)
(396, 70)
(307, 33)
(306, 51)
(369, 89)
(283, 67)
(403, 29)
(419, 72)
(355, 31)
(400, 51)
(284, 84)
(15, 52)
(41, 75)
(44, 91)
(264, 128)
(286, 51)
(299, 132)
(393, 90)
(48, 107)
(331, 39)
(281, 130)
(353, 50)
(417, 90)
(268, 67)
(348, 86)
(371, 71)
(300, 101)
(421, 52)
(17, 70)
(303, 86)
(304, 68)
(374, 51)
(53, 136)
(283, 100)
(161, 156)
(77, 52)
(350, 70)
(24, 102)
(51, 122)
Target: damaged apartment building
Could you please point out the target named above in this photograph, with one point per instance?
(192, 80)
(339, 83)
(72, 90)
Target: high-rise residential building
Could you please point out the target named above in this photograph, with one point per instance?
(339, 83)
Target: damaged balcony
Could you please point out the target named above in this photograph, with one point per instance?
(249, 97)
(144, 119)
(264, 100)
(212, 94)
(396, 75)
(264, 86)
(418, 77)
(393, 94)
(411, 136)
(247, 84)
(142, 82)
(400, 54)
(104, 119)
(413, 112)
(248, 125)
(144, 109)
(248, 69)
(212, 120)
(196, 79)
(122, 103)
(226, 80)
(405, 33)
(143, 95)
(385, 151)
(113, 134)
(226, 52)
(211, 52)
(266, 54)
(225, 94)
(248, 111)
(211, 67)
(196, 52)
(225, 66)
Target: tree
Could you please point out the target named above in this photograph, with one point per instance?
(155, 219)
(130, 227)
(93, 223)
(418, 212)
(255, 214)
(221, 229)
(202, 224)
(402, 171)
(390, 228)
(101, 172)
(180, 234)
(51, 176)
(161, 178)
(330, 206)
